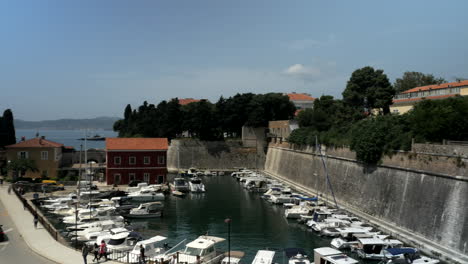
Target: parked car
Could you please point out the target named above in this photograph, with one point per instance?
(2, 234)
(54, 187)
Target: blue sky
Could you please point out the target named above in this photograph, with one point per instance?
(82, 59)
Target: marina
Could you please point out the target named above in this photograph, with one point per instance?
(258, 223)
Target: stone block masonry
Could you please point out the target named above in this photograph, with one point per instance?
(213, 155)
(431, 205)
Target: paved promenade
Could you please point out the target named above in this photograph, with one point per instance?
(39, 240)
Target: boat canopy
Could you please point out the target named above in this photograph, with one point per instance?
(399, 251)
(292, 252)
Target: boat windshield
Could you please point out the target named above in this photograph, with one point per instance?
(180, 182)
(193, 251)
(115, 242)
(196, 181)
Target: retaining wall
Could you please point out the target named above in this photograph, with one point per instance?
(429, 204)
(213, 155)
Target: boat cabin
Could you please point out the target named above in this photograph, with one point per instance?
(204, 247)
(327, 255)
(264, 257)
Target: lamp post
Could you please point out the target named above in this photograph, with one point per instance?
(228, 222)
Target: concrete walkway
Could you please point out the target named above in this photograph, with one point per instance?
(39, 240)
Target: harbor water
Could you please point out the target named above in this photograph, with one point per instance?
(255, 223)
(67, 137)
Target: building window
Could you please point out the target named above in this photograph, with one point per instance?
(23, 154)
(117, 178)
(44, 155)
(132, 160)
(131, 176)
(146, 160)
(116, 160)
(146, 177)
(161, 159)
(160, 179)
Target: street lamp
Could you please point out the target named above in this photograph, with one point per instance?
(228, 222)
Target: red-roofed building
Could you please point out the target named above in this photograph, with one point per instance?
(301, 100)
(46, 154)
(405, 101)
(129, 159)
(187, 101)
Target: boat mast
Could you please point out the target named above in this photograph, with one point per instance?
(327, 176)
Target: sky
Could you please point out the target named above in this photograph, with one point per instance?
(88, 58)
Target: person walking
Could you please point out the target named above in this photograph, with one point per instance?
(142, 254)
(36, 219)
(25, 202)
(103, 250)
(9, 189)
(84, 253)
(95, 252)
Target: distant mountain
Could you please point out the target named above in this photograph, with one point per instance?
(92, 123)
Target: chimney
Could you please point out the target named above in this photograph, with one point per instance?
(42, 137)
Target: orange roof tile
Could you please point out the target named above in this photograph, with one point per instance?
(188, 101)
(136, 143)
(435, 86)
(36, 143)
(300, 97)
(422, 98)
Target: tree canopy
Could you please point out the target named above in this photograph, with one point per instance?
(7, 129)
(368, 89)
(410, 80)
(203, 119)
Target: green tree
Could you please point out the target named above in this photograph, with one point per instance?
(7, 129)
(368, 89)
(21, 166)
(410, 80)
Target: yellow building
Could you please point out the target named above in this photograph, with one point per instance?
(405, 101)
(46, 154)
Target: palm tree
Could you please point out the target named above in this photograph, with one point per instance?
(21, 165)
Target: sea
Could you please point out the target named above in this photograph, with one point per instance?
(68, 137)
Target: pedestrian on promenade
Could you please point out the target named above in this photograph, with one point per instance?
(174, 259)
(36, 219)
(95, 251)
(198, 260)
(103, 250)
(84, 253)
(9, 189)
(25, 202)
(142, 254)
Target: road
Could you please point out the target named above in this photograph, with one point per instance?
(15, 250)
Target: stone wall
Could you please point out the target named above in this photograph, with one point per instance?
(213, 155)
(427, 204)
(438, 149)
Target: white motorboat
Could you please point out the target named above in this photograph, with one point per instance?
(406, 255)
(58, 203)
(92, 233)
(180, 184)
(153, 247)
(264, 257)
(296, 256)
(232, 257)
(295, 212)
(192, 172)
(285, 196)
(349, 236)
(331, 256)
(106, 235)
(203, 247)
(146, 210)
(99, 214)
(145, 195)
(196, 185)
(119, 221)
(329, 223)
(319, 216)
(122, 242)
(374, 248)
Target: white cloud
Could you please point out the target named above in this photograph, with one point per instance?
(302, 71)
